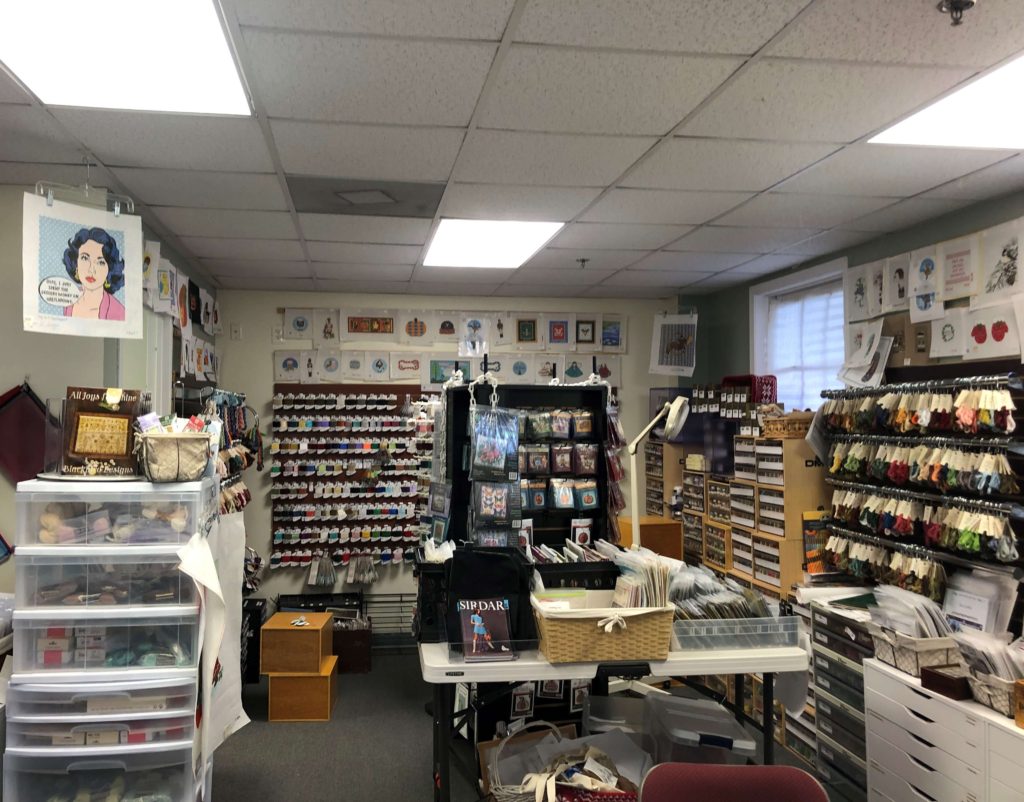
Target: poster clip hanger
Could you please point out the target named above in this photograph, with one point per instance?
(80, 195)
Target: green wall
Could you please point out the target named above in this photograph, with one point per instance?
(723, 328)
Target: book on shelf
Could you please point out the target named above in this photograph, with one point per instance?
(485, 630)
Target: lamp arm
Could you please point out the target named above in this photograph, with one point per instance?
(635, 444)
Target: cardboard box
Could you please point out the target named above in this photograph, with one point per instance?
(485, 751)
(288, 649)
(304, 697)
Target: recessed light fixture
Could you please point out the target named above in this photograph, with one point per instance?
(156, 55)
(487, 243)
(984, 114)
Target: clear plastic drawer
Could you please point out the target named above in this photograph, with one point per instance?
(101, 576)
(69, 646)
(99, 733)
(127, 513)
(107, 773)
(102, 701)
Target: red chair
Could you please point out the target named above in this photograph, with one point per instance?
(674, 782)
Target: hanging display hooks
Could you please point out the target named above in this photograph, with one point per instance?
(1011, 380)
(1004, 508)
(966, 443)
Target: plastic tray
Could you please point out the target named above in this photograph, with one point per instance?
(737, 633)
(88, 734)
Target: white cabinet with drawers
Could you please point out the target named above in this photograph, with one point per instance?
(923, 746)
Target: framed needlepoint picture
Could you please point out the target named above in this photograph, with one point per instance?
(586, 330)
(98, 435)
(526, 330)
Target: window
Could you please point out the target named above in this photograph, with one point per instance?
(803, 343)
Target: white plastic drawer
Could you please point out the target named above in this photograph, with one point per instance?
(916, 773)
(86, 734)
(1000, 792)
(102, 701)
(101, 576)
(968, 746)
(924, 703)
(58, 646)
(101, 773)
(930, 755)
(129, 513)
(889, 784)
(1004, 769)
(1007, 744)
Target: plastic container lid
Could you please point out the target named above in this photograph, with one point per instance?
(698, 722)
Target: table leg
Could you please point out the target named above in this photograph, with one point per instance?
(768, 718)
(737, 702)
(442, 743)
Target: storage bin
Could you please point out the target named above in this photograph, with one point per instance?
(130, 643)
(27, 733)
(993, 692)
(288, 649)
(736, 633)
(911, 654)
(626, 713)
(107, 773)
(695, 731)
(101, 576)
(102, 701)
(126, 513)
(597, 631)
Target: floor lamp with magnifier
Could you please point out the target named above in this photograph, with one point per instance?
(675, 412)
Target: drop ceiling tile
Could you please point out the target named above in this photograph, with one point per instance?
(349, 272)
(798, 210)
(819, 102)
(28, 134)
(904, 33)
(477, 289)
(497, 202)
(617, 237)
(571, 280)
(348, 287)
(633, 291)
(829, 242)
(348, 79)
(999, 179)
(554, 89)
(469, 275)
(732, 239)
(722, 26)
(267, 284)
(363, 253)
(552, 259)
(722, 164)
(682, 262)
(716, 283)
(233, 248)
(257, 268)
(226, 223)
(446, 19)
(26, 174)
(894, 170)
(768, 263)
(905, 214)
(655, 278)
(360, 228)
(203, 189)
(531, 291)
(373, 152)
(182, 141)
(515, 157)
(662, 206)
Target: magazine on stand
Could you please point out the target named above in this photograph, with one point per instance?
(485, 630)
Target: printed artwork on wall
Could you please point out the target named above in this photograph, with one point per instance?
(958, 267)
(855, 293)
(991, 332)
(328, 365)
(307, 367)
(609, 368)
(876, 287)
(474, 334)
(613, 334)
(547, 366)
(502, 335)
(166, 302)
(925, 286)
(998, 281)
(195, 304)
(445, 327)
(588, 332)
(674, 345)
(298, 324)
(559, 331)
(326, 328)
(414, 328)
(435, 371)
(286, 366)
(405, 365)
(183, 321)
(206, 310)
(521, 367)
(150, 265)
(378, 366)
(948, 336)
(895, 283)
(528, 331)
(217, 325)
(82, 270)
(353, 366)
(377, 325)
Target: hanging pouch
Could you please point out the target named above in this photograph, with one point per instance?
(495, 445)
(173, 457)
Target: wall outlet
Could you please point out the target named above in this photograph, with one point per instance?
(277, 334)
(236, 331)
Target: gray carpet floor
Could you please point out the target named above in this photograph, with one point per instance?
(377, 745)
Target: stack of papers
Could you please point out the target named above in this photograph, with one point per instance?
(866, 366)
(645, 575)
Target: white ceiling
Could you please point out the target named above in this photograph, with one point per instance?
(688, 146)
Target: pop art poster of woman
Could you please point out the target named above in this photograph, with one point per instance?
(82, 270)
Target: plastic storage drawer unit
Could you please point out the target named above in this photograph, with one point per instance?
(101, 576)
(127, 513)
(107, 701)
(695, 731)
(104, 643)
(107, 773)
(28, 733)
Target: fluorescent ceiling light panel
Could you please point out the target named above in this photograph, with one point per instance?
(146, 55)
(487, 243)
(984, 114)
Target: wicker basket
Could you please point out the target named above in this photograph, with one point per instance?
(910, 655)
(601, 634)
(794, 425)
(994, 692)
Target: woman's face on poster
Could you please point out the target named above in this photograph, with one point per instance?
(92, 265)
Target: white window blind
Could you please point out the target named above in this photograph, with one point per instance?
(804, 344)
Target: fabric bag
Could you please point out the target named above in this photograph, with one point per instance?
(173, 456)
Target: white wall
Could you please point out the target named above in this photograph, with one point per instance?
(50, 362)
(247, 366)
